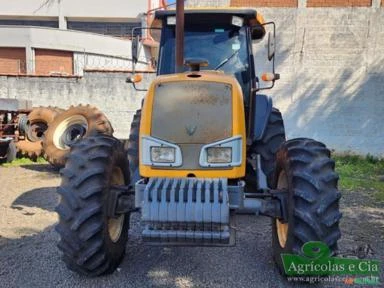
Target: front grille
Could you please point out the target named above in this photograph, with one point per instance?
(191, 114)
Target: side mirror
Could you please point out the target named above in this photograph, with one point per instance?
(135, 49)
(271, 46)
(135, 78)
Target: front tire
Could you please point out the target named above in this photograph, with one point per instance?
(92, 243)
(306, 171)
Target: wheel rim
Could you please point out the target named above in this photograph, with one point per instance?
(35, 131)
(282, 228)
(70, 131)
(115, 225)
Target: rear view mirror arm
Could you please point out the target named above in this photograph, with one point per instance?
(137, 89)
(272, 57)
(135, 54)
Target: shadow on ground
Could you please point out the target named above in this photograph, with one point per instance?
(41, 168)
(35, 261)
(45, 198)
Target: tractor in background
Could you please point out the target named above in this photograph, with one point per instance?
(13, 124)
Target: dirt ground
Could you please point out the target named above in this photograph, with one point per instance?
(29, 257)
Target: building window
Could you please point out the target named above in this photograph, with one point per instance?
(39, 23)
(116, 29)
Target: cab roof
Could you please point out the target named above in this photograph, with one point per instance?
(249, 15)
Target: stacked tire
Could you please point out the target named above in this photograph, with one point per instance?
(69, 127)
(51, 132)
(37, 123)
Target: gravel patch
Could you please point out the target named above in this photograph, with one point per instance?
(29, 257)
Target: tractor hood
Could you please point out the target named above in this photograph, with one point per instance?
(189, 112)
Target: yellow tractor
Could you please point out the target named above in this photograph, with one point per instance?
(205, 146)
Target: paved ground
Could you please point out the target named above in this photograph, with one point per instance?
(29, 257)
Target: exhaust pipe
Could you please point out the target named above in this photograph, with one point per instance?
(179, 36)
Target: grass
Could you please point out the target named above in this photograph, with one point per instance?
(359, 173)
(24, 161)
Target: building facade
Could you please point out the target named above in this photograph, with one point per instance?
(64, 37)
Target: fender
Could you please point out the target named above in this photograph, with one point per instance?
(263, 108)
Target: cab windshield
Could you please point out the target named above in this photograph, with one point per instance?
(223, 45)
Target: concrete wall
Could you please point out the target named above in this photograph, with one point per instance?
(331, 62)
(107, 91)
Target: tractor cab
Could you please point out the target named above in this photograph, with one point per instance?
(220, 38)
(221, 41)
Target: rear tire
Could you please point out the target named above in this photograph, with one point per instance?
(304, 168)
(266, 147)
(92, 243)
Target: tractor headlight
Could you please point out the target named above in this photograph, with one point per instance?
(219, 155)
(157, 152)
(223, 153)
(163, 154)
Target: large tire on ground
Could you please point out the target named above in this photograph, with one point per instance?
(29, 149)
(58, 110)
(92, 243)
(304, 168)
(274, 136)
(70, 126)
(22, 123)
(11, 152)
(7, 151)
(37, 123)
(132, 147)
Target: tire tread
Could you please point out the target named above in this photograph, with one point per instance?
(84, 239)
